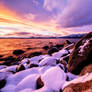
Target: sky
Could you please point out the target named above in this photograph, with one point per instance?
(26, 18)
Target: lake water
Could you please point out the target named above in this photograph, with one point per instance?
(8, 45)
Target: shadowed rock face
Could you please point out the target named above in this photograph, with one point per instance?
(79, 87)
(81, 55)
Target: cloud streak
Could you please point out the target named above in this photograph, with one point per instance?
(77, 13)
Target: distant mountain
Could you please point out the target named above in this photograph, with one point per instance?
(74, 36)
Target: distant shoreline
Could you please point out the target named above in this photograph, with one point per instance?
(46, 38)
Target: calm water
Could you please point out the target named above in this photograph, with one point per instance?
(8, 45)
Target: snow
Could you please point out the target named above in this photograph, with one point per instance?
(9, 88)
(60, 53)
(16, 78)
(9, 69)
(36, 59)
(80, 79)
(27, 90)
(71, 76)
(54, 78)
(48, 61)
(2, 66)
(82, 47)
(44, 89)
(27, 82)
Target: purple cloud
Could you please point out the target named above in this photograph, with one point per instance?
(77, 13)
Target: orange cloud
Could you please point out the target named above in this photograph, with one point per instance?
(9, 18)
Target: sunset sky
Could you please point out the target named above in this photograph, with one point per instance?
(26, 18)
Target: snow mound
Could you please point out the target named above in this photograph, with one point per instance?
(54, 78)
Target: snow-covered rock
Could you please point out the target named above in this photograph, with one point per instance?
(54, 78)
(48, 61)
(28, 82)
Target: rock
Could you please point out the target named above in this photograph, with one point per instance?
(35, 54)
(86, 69)
(39, 83)
(29, 48)
(33, 65)
(79, 87)
(18, 52)
(59, 46)
(1, 56)
(81, 55)
(45, 47)
(7, 60)
(20, 68)
(52, 50)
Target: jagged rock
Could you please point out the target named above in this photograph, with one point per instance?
(39, 83)
(79, 87)
(87, 69)
(81, 55)
(18, 52)
(52, 50)
(20, 68)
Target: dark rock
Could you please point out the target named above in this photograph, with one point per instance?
(52, 50)
(20, 68)
(79, 87)
(45, 47)
(1, 56)
(18, 52)
(2, 83)
(66, 43)
(35, 54)
(7, 60)
(33, 65)
(81, 55)
(59, 46)
(86, 69)
(29, 48)
(39, 83)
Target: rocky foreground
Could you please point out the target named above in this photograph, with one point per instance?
(63, 69)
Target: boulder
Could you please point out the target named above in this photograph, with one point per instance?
(52, 50)
(81, 56)
(86, 69)
(18, 52)
(79, 87)
(20, 68)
